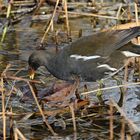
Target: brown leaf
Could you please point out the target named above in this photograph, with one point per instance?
(62, 92)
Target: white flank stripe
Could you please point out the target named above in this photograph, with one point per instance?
(130, 54)
(106, 66)
(85, 58)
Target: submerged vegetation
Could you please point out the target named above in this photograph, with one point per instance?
(49, 108)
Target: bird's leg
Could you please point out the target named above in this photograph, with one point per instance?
(139, 66)
(75, 91)
(77, 94)
(76, 85)
(126, 71)
(129, 62)
(122, 91)
(99, 92)
(86, 90)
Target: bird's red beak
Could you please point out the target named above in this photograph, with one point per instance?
(31, 73)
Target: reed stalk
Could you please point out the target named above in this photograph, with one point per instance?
(66, 14)
(112, 87)
(123, 129)
(51, 22)
(3, 110)
(111, 121)
(41, 111)
(7, 16)
(131, 124)
(137, 20)
(73, 117)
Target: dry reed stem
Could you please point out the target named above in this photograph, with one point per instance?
(3, 110)
(139, 66)
(130, 122)
(5, 70)
(126, 74)
(111, 121)
(136, 13)
(41, 112)
(3, 102)
(8, 114)
(75, 136)
(21, 79)
(129, 12)
(9, 94)
(93, 15)
(52, 26)
(66, 14)
(128, 137)
(51, 21)
(11, 124)
(112, 87)
(136, 17)
(119, 10)
(15, 135)
(20, 134)
(123, 129)
(73, 117)
(13, 114)
(1, 3)
(18, 71)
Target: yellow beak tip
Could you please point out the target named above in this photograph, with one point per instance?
(32, 76)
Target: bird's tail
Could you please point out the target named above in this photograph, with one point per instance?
(126, 35)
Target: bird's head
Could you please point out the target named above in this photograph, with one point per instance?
(37, 59)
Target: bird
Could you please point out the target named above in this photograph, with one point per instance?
(89, 58)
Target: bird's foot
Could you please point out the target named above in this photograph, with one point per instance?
(99, 92)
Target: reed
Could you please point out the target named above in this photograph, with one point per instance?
(7, 16)
(111, 121)
(51, 22)
(73, 117)
(41, 111)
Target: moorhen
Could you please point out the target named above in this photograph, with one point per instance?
(89, 58)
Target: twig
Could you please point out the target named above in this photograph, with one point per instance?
(136, 13)
(126, 74)
(20, 134)
(136, 17)
(51, 21)
(134, 126)
(67, 20)
(73, 117)
(5, 70)
(17, 132)
(15, 135)
(128, 137)
(3, 111)
(3, 103)
(11, 124)
(113, 87)
(7, 16)
(111, 121)
(10, 92)
(21, 79)
(123, 129)
(119, 10)
(41, 112)
(93, 15)
(12, 114)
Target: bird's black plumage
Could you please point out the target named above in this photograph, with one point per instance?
(88, 58)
